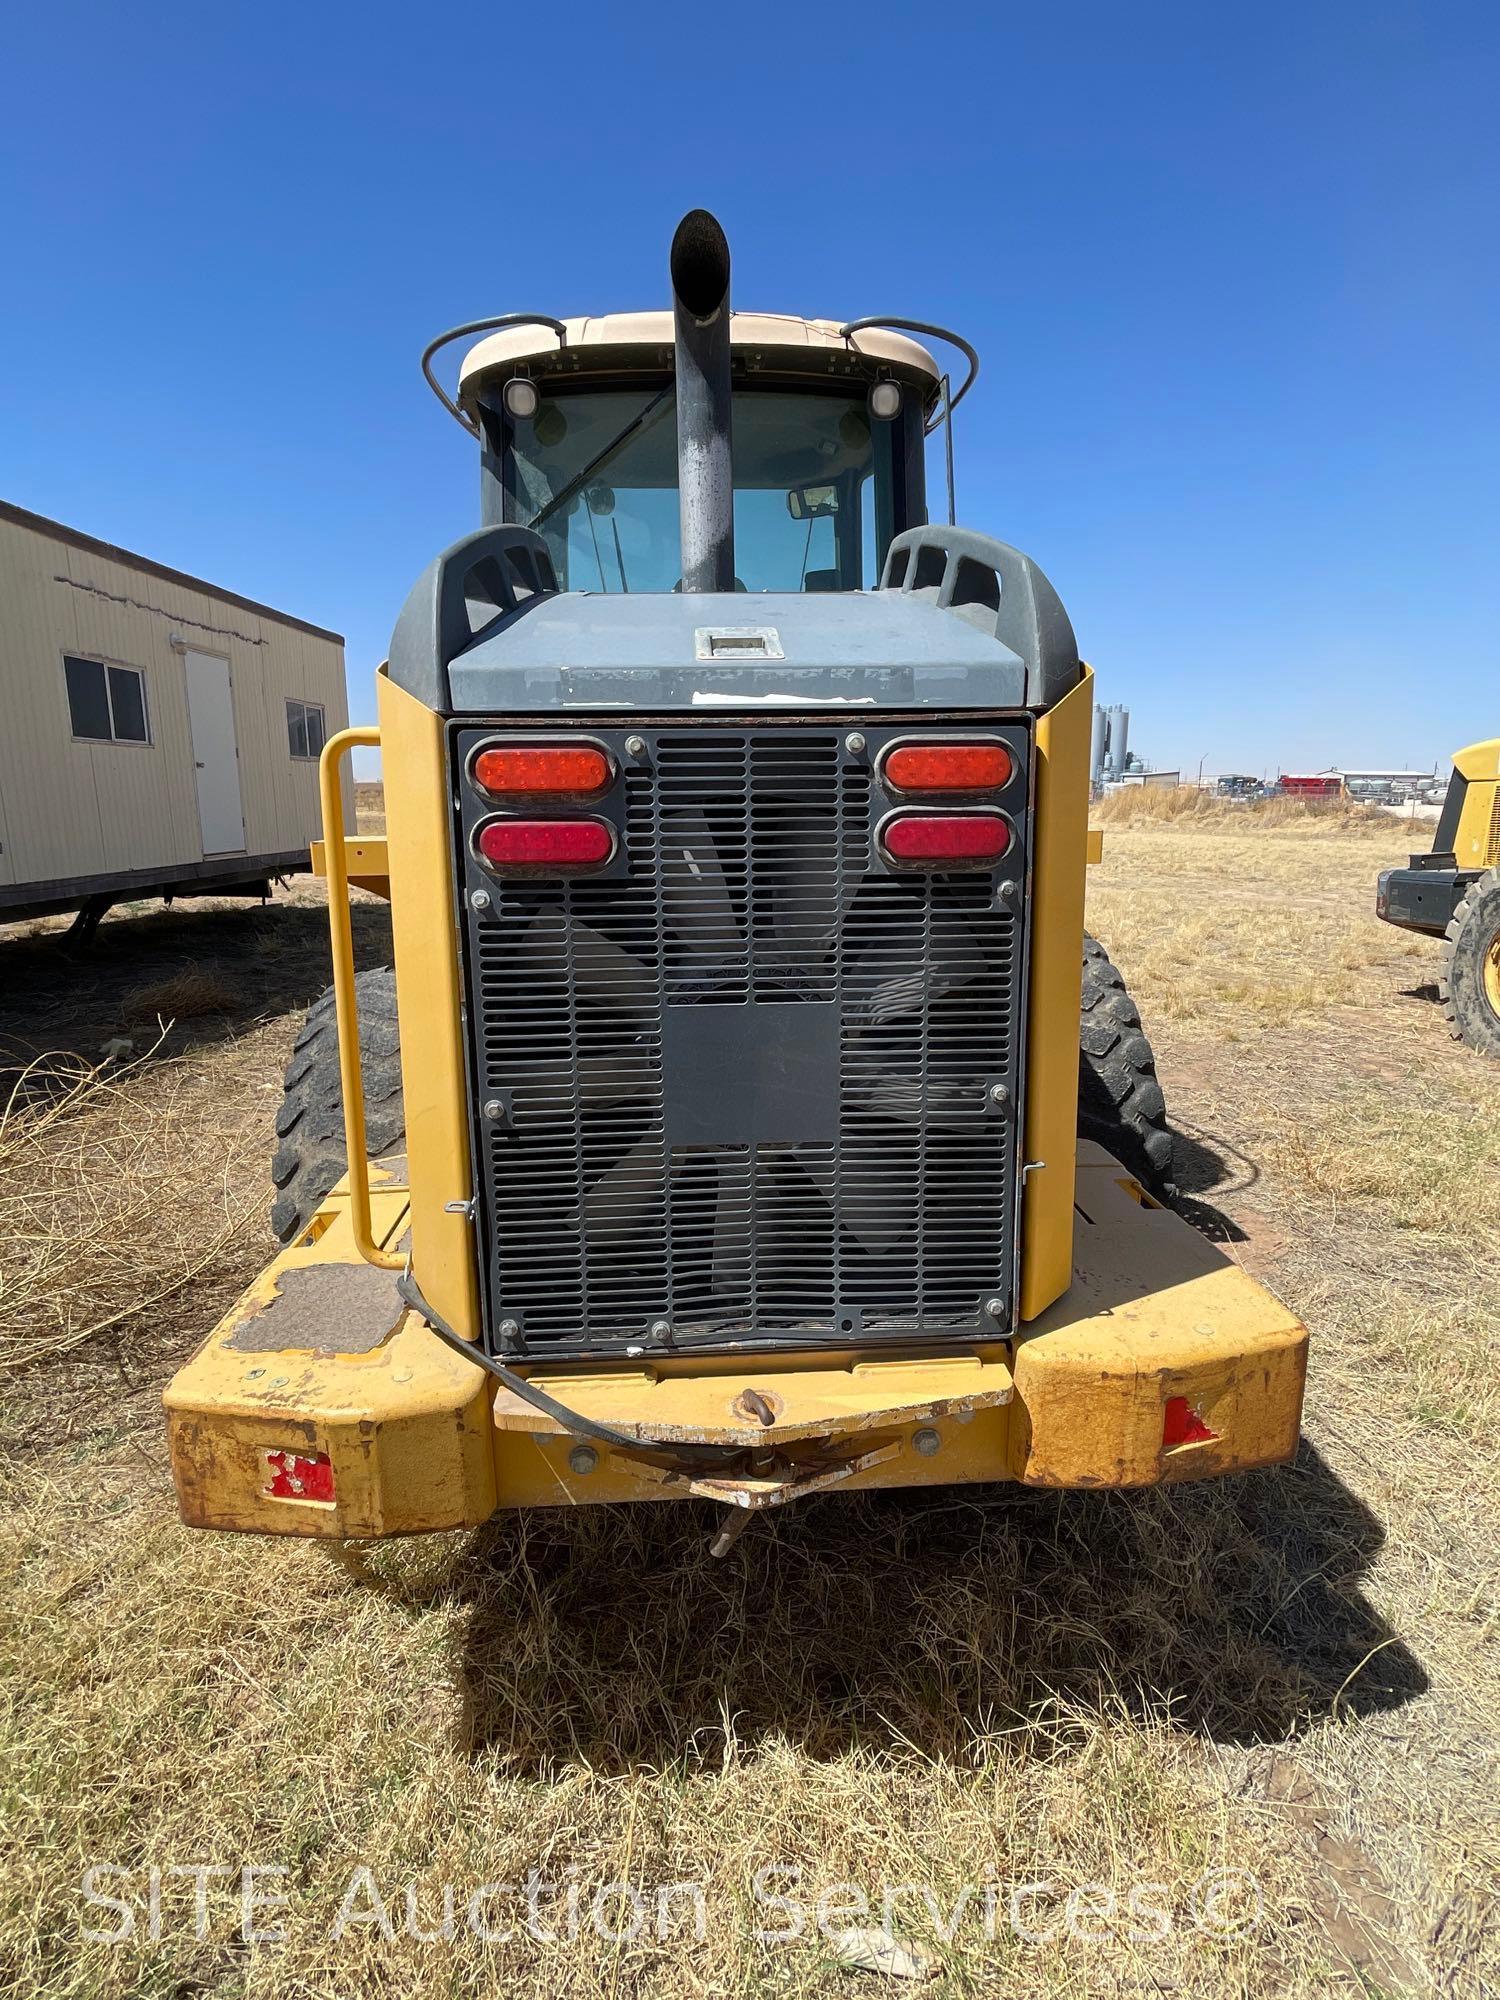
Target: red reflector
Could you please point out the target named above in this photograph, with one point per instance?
(1182, 1424)
(947, 767)
(920, 838)
(527, 769)
(545, 843)
(299, 1475)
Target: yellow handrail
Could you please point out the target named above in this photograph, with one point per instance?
(345, 1008)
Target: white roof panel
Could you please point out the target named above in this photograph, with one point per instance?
(503, 350)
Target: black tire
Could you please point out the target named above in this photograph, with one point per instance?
(1120, 1102)
(310, 1124)
(1469, 982)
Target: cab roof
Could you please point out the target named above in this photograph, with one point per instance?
(787, 343)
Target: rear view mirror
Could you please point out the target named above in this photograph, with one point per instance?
(812, 503)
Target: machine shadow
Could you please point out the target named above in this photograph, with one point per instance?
(202, 973)
(1203, 1164)
(923, 1619)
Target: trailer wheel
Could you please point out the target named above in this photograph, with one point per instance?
(1120, 1102)
(310, 1125)
(1469, 982)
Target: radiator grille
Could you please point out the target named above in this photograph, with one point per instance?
(743, 1085)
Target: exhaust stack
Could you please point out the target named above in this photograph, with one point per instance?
(705, 473)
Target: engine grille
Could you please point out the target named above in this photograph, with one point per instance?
(742, 1090)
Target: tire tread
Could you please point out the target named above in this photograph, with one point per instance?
(1466, 1009)
(310, 1155)
(1121, 1105)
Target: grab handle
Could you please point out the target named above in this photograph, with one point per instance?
(345, 1006)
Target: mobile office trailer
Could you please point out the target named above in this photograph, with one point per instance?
(162, 735)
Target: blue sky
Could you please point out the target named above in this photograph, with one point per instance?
(1233, 273)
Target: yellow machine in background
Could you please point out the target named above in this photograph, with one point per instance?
(751, 1116)
(1453, 893)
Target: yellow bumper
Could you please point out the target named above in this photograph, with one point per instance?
(318, 1360)
(318, 1357)
(1155, 1313)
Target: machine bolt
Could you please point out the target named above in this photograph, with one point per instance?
(494, 1109)
(1006, 894)
(995, 1308)
(926, 1442)
(854, 742)
(636, 745)
(660, 1329)
(509, 1329)
(999, 1096)
(582, 1459)
(480, 899)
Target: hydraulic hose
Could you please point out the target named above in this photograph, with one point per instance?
(677, 1457)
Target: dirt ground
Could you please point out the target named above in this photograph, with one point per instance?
(1228, 1739)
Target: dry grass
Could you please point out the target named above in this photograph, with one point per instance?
(125, 1189)
(1292, 1674)
(185, 996)
(1238, 929)
(1177, 805)
(945, 1695)
(369, 807)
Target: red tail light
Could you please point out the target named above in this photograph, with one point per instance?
(923, 840)
(299, 1475)
(545, 844)
(947, 767)
(1181, 1424)
(532, 770)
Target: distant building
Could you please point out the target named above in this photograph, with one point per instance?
(161, 734)
(1322, 785)
(1378, 777)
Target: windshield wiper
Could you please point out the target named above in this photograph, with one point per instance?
(580, 479)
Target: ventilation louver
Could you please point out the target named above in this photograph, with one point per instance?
(750, 1087)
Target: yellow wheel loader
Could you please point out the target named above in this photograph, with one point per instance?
(750, 1115)
(1453, 893)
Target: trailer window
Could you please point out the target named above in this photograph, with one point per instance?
(106, 704)
(304, 728)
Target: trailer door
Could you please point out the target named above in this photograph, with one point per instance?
(211, 711)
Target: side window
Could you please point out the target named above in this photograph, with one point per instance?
(106, 704)
(304, 729)
(88, 700)
(127, 704)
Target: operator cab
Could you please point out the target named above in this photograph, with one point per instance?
(577, 427)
